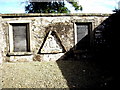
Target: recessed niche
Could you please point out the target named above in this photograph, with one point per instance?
(52, 44)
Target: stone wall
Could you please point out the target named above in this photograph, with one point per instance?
(40, 26)
(2, 42)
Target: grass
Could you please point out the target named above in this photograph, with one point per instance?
(32, 75)
(60, 74)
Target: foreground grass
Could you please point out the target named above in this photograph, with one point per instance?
(61, 74)
(32, 75)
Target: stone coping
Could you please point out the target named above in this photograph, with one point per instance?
(52, 14)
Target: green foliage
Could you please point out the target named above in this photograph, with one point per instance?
(50, 7)
(116, 10)
(75, 5)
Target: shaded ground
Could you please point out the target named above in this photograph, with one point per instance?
(87, 74)
(80, 74)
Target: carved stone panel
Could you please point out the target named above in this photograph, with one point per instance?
(52, 44)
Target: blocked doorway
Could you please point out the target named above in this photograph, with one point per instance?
(83, 35)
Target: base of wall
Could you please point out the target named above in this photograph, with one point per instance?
(47, 57)
(37, 57)
(51, 57)
(21, 58)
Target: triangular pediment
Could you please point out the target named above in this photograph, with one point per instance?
(52, 44)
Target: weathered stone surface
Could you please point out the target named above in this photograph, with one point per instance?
(51, 57)
(37, 58)
(40, 25)
(2, 41)
(21, 58)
